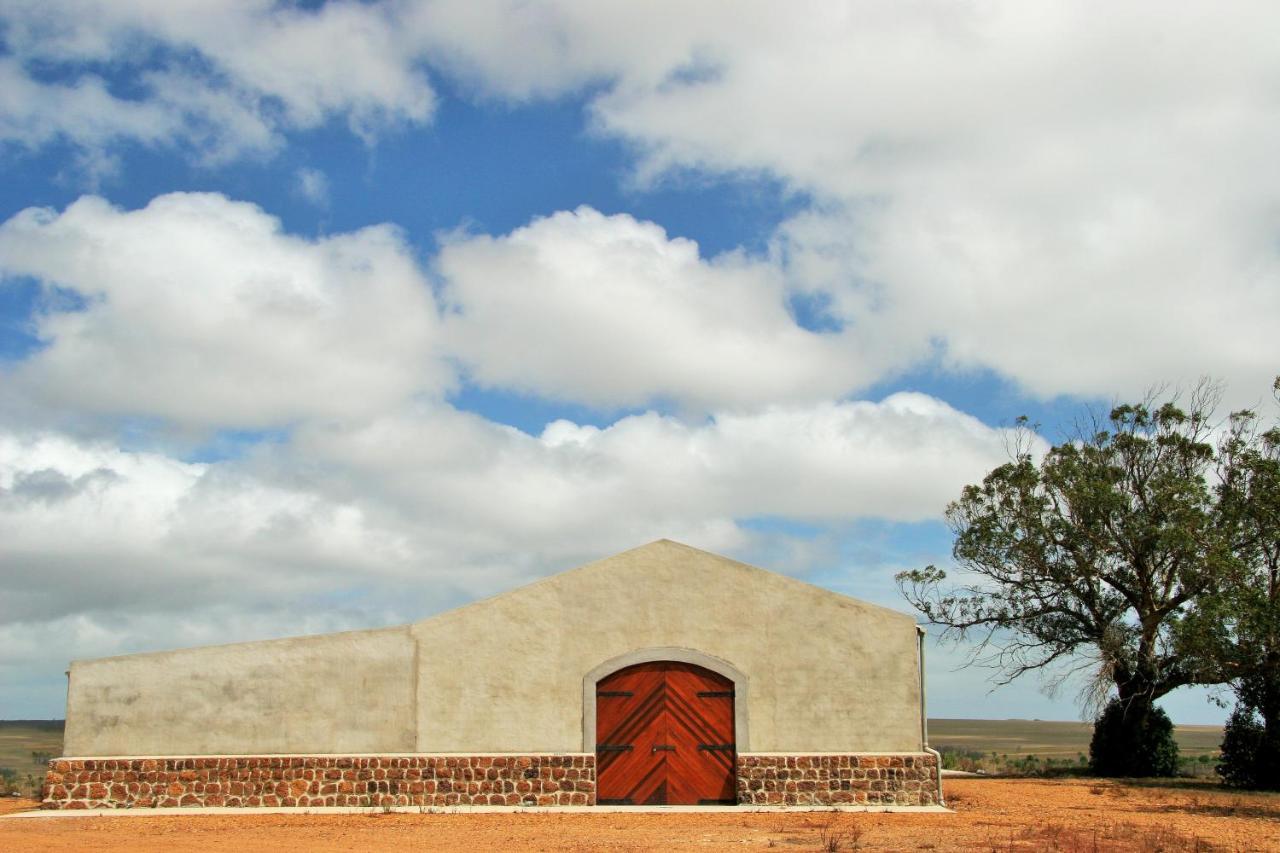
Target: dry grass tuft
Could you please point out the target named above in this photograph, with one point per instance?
(833, 838)
(1112, 838)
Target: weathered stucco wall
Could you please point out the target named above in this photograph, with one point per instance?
(826, 673)
(342, 693)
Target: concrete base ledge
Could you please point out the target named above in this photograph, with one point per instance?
(197, 811)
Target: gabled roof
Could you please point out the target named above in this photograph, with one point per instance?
(663, 566)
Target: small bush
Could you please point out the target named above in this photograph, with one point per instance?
(1127, 743)
(1248, 761)
(955, 758)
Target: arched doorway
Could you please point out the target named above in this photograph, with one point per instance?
(665, 736)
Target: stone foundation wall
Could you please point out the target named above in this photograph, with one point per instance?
(833, 780)
(447, 780)
(321, 780)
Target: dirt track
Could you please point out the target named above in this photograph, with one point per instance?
(991, 814)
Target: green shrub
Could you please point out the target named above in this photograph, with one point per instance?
(955, 758)
(1248, 761)
(1128, 743)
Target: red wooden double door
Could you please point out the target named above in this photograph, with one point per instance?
(664, 736)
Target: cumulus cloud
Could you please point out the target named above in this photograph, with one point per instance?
(34, 113)
(201, 311)
(89, 527)
(424, 507)
(995, 182)
(608, 310)
(1080, 204)
(472, 487)
(110, 551)
(1083, 205)
(223, 79)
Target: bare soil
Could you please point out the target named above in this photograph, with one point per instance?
(990, 814)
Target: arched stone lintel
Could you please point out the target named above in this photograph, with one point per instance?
(666, 653)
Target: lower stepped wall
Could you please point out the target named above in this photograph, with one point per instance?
(461, 780)
(837, 780)
(321, 780)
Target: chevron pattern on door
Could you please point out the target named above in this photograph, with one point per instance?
(664, 736)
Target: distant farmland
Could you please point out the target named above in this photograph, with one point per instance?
(22, 744)
(1015, 738)
(1048, 739)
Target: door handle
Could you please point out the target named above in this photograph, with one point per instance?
(662, 747)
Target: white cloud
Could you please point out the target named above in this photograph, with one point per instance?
(446, 503)
(522, 50)
(467, 486)
(107, 551)
(200, 311)
(312, 185)
(90, 528)
(1081, 201)
(34, 113)
(995, 183)
(610, 311)
(224, 78)
(215, 124)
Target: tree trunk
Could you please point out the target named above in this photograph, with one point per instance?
(1268, 758)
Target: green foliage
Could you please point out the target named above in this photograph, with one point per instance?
(8, 780)
(1138, 545)
(1130, 739)
(1097, 547)
(1249, 758)
(955, 758)
(1097, 550)
(1235, 631)
(976, 761)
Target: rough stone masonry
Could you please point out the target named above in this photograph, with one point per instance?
(321, 780)
(832, 780)
(455, 780)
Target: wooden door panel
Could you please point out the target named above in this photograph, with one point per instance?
(664, 735)
(700, 714)
(630, 705)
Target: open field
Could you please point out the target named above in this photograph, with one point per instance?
(1047, 738)
(1070, 814)
(20, 738)
(990, 814)
(1011, 739)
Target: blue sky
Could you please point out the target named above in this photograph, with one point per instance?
(334, 315)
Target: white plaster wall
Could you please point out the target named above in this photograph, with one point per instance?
(351, 692)
(826, 673)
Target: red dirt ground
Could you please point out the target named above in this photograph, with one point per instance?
(991, 814)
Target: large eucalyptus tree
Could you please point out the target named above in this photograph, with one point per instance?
(1096, 553)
